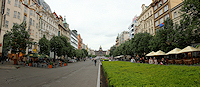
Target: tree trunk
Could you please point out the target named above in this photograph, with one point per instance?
(54, 55)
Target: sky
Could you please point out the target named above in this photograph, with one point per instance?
(98, 21)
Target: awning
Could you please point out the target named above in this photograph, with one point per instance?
(159, 53)
(151, 53)
(174, 51)
(188, 49)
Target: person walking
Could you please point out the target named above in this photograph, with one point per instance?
(95, 61)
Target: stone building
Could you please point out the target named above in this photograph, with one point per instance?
(132, 28)
(145, 21)
(161, 11)
(17, 11)
(100, 52)
(74, 40)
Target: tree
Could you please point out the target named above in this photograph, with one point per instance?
(85, 52)
(190, 21)
(112, 49)
(66, 47)
(56, 45)
(18, 38)
(141, 43)
(44, 45)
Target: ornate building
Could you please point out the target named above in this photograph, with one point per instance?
(100, 52)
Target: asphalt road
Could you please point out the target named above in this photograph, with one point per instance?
(80, 74)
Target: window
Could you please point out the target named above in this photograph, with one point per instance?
(166, 16)
(161, 20)
(160, 4)
(149, 23)
(36, 34)
(26, 1)
(156, 23)
(8, 12)
(164, 1)
(30, 21)
(15, 14)
(150, 12)
(31, 12)
(36, 25)
(7, 22)
(34, 13)
(155, 7)
(175, 14)
(156, 15)
(18, 15)
(8, 1)
(33, 22)
(160, 12)
(16, 2)
(19, 4)
(24, 18)
(25, 9)
(33, 32)
(165, 8)
(37, 17)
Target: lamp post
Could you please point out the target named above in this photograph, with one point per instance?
(29, 30)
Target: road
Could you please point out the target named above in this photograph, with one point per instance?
(80, 74)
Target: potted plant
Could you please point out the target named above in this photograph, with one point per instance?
(29, 63)
(50, 65)
(65, 63)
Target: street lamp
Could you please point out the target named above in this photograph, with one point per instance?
(29, 29)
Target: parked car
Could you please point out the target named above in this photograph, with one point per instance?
(71, 60)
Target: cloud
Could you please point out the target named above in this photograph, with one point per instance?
(99, 21)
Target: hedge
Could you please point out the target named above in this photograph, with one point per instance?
(127, 74)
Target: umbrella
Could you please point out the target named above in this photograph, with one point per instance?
(151, 53)
(174, 51)
(188, 49)
(159, 53)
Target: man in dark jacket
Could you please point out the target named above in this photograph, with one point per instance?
(95, 61)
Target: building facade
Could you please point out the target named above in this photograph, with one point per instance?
(124, 36)
(100, 52)
(145, 21)
(117, 41)
(80, 44)
(63, 28)
(74, 40)
(132, 27)
(18, 11)
(161, 11)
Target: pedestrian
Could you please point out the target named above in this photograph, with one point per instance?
(163, 61)
(84, 59)
(151, 61)
(155, 61)
(3, 59)
(133, 60)
(143, 60)
(95, 61)
(140, 60)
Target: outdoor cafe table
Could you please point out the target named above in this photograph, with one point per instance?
(179, 61)
(188, 61)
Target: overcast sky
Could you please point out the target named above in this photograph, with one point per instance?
(98, 21)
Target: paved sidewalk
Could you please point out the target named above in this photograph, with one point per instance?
(9, 65)
(79, 74)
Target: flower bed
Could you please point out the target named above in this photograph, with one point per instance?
(127, 74)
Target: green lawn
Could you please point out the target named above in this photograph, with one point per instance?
(127, 74)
